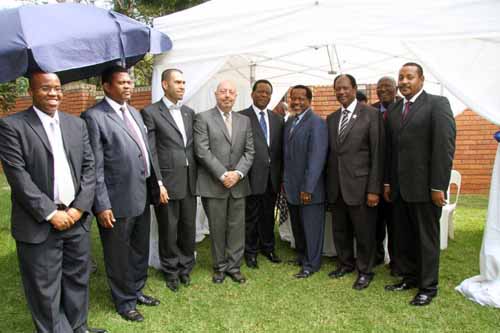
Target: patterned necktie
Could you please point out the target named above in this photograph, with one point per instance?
(406, 109)
(263, 125)
(343, 124)
(132, 131)
(294, 124)
(227, 121)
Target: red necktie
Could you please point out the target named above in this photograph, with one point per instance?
(406, 110)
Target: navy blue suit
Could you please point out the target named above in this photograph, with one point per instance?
(305, 151)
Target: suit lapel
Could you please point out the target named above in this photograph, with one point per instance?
(218, 120)
(186, 118)
(351, 122)
(36, 124)
(256, 123)
(300, 124)
(66, 132)
(113, 115)
(165, 112)
(335, 129)
(236, 127)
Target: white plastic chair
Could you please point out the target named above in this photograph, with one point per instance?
(446, 221)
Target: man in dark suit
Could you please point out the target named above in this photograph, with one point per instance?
(223, 144)
(126, 181)
(170, 134)
(305, 147)
(421, 143)
(386, 92)
(354, 180)
(264, 176)
(48, 162)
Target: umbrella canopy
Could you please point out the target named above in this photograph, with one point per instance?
(76, 41)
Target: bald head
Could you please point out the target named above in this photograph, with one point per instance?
(225, 95)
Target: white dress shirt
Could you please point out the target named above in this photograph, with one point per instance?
(175, 111)
(351, 109)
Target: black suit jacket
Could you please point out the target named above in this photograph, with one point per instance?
(28, 164)
(168, 150)
(420, 148)
(267, 159)
(355, 164)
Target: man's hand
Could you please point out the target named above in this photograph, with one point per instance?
(372, 199)
(305, 198)
(387, 193)
(61, 220)
(163, 195)
(75, 214)
(438, 198)
(106, 218)
(231, 179)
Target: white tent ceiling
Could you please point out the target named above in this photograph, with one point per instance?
(310, 42)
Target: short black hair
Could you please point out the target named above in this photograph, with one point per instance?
(107, 74)
(420, 70)
(361, 97)
(309, 93)
(349, 76)
(166, 73)
(254, 87)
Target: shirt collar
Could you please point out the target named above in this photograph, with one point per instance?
(45, 118)
(414, 98)
(257, 110)
(114, 105)
(351, 107)
(170, 105)
(222, 112)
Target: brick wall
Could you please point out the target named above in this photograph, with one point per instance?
(475, 150)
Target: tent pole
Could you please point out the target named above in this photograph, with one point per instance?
(253, 65)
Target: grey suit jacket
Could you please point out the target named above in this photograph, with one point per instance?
(121, 181)
(28, 164)
(168, 149)
(355, 164)
(267, 161)
(217, 153)
(420, 148)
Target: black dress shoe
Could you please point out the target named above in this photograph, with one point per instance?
(403, 285)
(251, 262)
(362, 282)
(218, 277)
(173, 285)
(147, 300)
(95, 330)
(237, 277)
(272, 257)
(185, 279)
(132, 315)
(421, 299)
(303, 274)
(340, 272)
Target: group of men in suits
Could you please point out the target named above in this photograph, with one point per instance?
(114, 163)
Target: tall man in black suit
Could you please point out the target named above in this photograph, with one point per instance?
(48, 162)
(170, 134)
(305, 147)
(386, 92)
(126, 182)
(354, 180)
(264, 176)
(421, 143)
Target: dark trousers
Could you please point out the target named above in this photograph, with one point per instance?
(308, 227)
(259, 222)
(349, 222)
(126, 255)
(226, 220)
(384, 227)
(177, 235)
(55, 277)
(417, 242)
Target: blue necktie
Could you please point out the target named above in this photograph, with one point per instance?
(294, 123)
(263, 125)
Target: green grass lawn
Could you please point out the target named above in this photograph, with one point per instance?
(272, 299)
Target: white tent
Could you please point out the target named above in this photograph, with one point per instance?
(311, 41)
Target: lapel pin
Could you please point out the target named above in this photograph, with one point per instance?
(354, 116)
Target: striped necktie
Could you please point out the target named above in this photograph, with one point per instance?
(343, 124)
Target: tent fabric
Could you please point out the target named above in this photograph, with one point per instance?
(311, 41)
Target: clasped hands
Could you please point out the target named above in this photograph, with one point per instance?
(63, 220)
(231, 178)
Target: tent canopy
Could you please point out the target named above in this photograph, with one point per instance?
(311, 41)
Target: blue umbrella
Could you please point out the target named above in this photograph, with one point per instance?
(76, 41)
